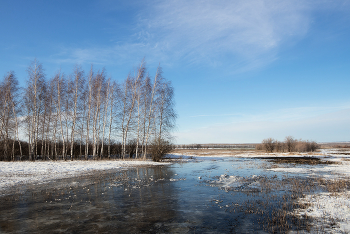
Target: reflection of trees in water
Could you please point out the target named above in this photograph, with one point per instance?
(135, 200)
(147, 200)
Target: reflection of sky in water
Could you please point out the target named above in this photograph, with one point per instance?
(180, 198)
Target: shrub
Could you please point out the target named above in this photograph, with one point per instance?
(313, 146)
(259, 147)
(306, 146)
(159, 148)
(269, 144)
(131, 148)
(290, 143)
(279, 146)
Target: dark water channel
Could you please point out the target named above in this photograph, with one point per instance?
(179, 198)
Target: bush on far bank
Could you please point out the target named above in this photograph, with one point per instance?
(159, 148)
(288, 145)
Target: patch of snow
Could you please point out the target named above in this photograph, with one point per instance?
(335, 152)
(18, 173)
(330, 170)
(331, 213)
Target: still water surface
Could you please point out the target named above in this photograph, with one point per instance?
(178, 198)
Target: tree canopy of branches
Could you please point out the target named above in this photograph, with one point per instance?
(84, 115)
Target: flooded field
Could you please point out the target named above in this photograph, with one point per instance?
(200, 195)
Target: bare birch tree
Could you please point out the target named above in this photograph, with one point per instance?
(150, 114)
(76, 87)
(165, 111)
(60, 83)
(114, 90)
(9, 103)
(34, 104)
(89, 109)
(105, 113)
(54, 114)
(130, 97)
(97, 98)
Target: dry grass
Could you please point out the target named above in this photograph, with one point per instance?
(299, 160)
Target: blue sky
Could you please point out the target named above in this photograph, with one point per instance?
(242, 70)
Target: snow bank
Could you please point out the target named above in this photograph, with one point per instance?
(335, 152)
(328, 171)
(17, 173)
(331, 213)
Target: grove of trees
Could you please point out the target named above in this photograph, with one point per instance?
(84, 114)
(289, 145)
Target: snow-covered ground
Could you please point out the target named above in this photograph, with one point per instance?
(18, 173)
(330, 171)
(331, 212)
(325, 208)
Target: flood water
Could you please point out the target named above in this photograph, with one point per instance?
(188, 197)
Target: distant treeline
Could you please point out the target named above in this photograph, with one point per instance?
(84, 115)
(215, 146)
(289, 145)
(335, 145)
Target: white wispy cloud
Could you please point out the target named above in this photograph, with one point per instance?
(207, 29)
(247, 34)
(240, 35)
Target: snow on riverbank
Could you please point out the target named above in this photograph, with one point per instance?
(341, 168)
(331, 213)
(327, 171)
(18, 173)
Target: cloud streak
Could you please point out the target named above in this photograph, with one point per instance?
(247, 34)
(207, 29)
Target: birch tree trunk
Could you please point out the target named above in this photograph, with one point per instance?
(157, 77)
(33, 99)
(77, 85)
(112, 97)
(91, 75)
(106, 105)
(59, 112)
